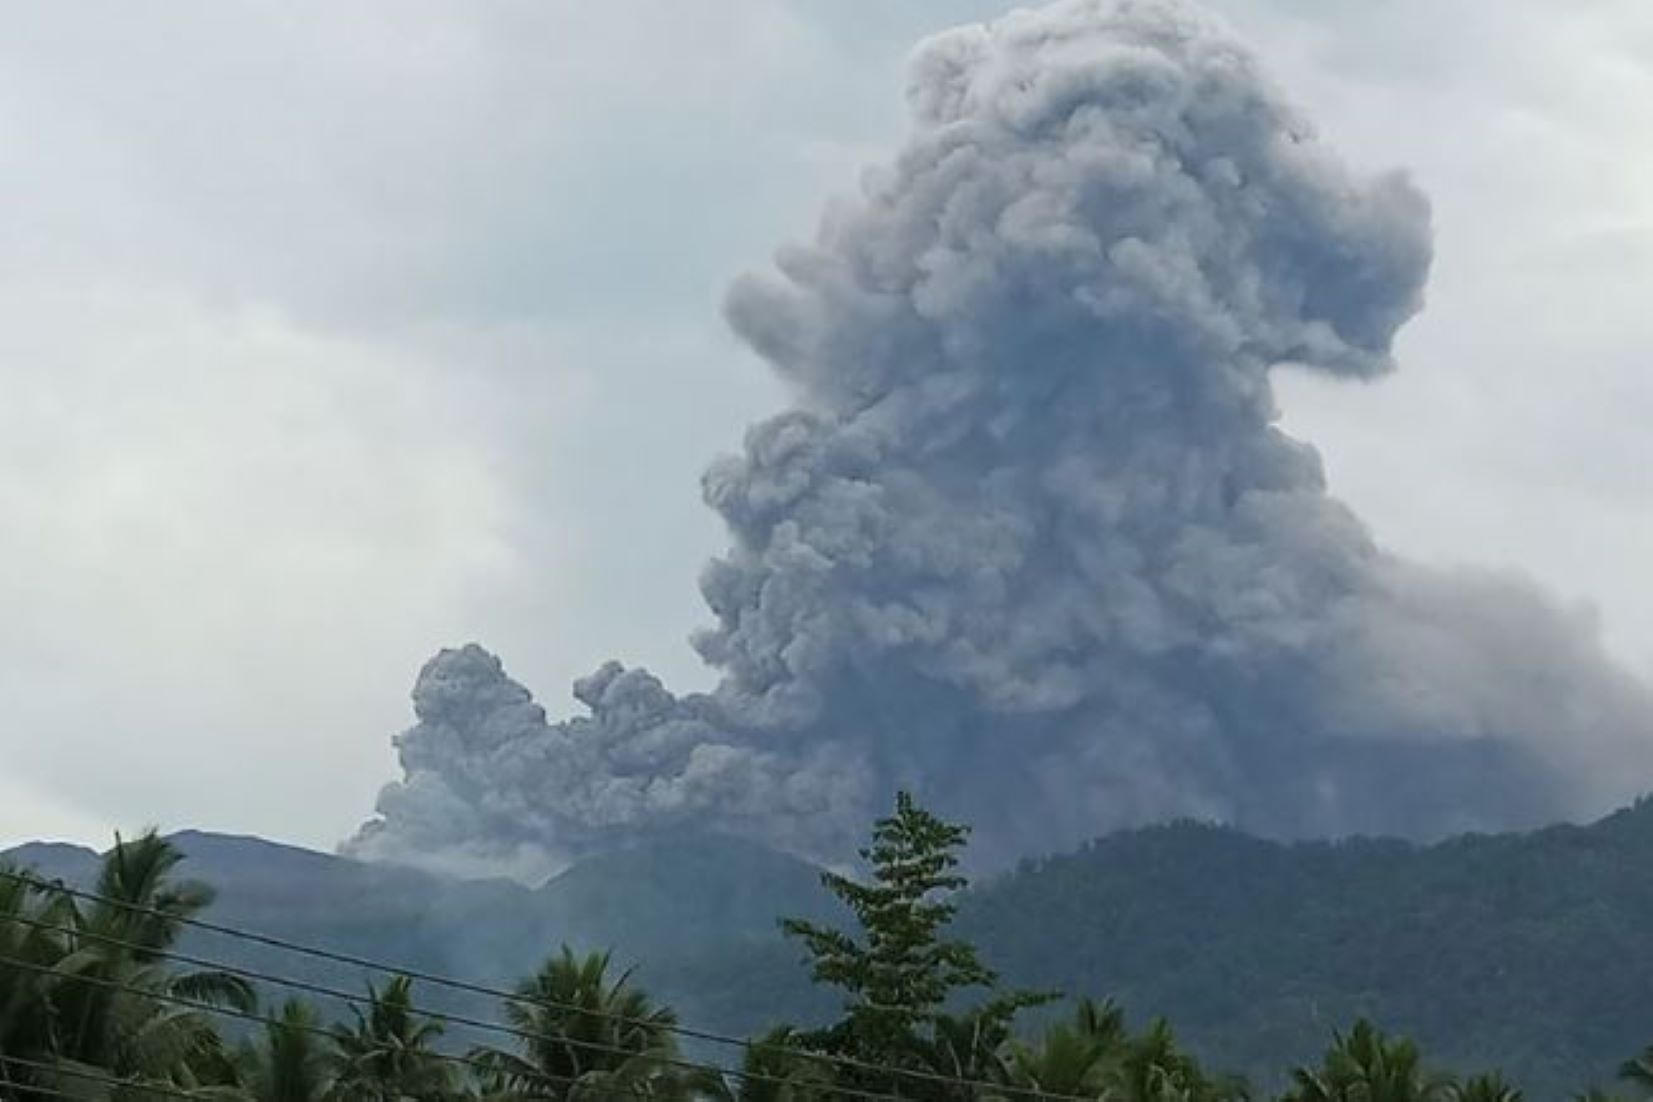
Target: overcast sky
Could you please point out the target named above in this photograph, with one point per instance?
(334, 334)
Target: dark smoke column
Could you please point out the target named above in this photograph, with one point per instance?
(1029, 541)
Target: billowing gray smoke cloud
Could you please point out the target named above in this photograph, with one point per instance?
(1029, 541)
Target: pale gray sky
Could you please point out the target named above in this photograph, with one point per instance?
(332, 335)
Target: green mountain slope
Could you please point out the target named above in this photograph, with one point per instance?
(1532, 952)
(696, 914)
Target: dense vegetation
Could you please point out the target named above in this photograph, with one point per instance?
(95, 1003)
(1531, 952)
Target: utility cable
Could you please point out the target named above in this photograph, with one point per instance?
(204, 1007)
(470, 1061)
(102, 1078)
(437, 980)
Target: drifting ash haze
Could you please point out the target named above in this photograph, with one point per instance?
(1029, 541)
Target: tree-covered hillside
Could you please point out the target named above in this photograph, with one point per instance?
(97, 1002)
(1529, 952)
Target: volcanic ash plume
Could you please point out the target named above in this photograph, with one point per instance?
(1029, 541)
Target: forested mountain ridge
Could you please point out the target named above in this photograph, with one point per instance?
(1530, 952)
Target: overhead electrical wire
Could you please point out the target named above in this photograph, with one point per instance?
(437, 980)
(473, 1062)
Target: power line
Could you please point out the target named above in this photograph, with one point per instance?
(355, 1002)
(470, 1061)
(103, 1078)
(231, 1012)
(350, 999)
(844, 1062)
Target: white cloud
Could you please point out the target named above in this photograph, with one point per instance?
(216, 527)
(27, 814)
(1510, 435)
(330, 335)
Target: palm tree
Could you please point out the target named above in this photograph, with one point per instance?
(104, 996)
(1072, 1058)
(1487, 1087)
(642, 1078)
(778, 1068)
(388, 1055)
(1153, 1068)
(30, 944)
(1638, 1072)
(969, 1047)
(1366, 1066)
(575, 1025)
(290, 1062)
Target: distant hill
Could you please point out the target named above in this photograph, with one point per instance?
(1531, 952)
(693, 913)
(54, 860)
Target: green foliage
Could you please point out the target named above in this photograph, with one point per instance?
(88, 987)
(1366, 1066)
(579, 1030)
(1638, 1072)
(1487, 1087)
(899, 972)
(777, 1067)
(93, 989)
(898, 975)
(1075, 1058)
(30, 944)
(291, 1061)
(1093, 1055)
(388, 1055)
(1529, 952)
